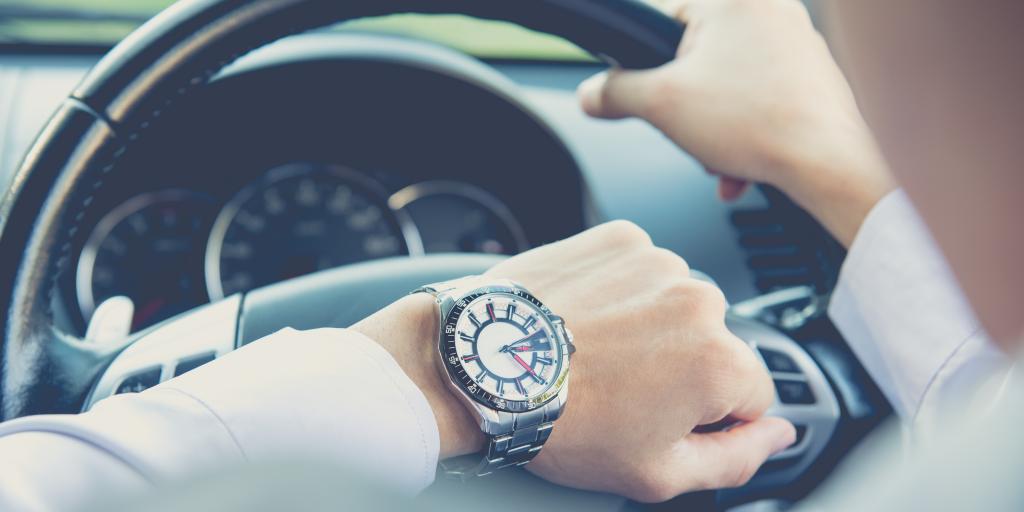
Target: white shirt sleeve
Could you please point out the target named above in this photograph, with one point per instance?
(324, 395)
(904, 316)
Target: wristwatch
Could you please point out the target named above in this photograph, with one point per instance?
(506, 355)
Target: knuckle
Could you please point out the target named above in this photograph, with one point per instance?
(738, 377)
(761, 387)
(665, 259)
(738, 358)
(710, 294)
(745, 364)
(624, 232)
(697, 297)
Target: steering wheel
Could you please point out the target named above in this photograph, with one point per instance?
(47, 369)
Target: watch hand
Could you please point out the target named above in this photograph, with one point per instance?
(533, 341)
(506, 348)
(522, 348)
(524, 365)
(524, 339)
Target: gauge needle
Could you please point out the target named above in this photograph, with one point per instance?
(524, 365)
(143, 314)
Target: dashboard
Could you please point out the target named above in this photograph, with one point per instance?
(173, 249)
(327, 149)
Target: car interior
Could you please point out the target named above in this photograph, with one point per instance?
(234, 172)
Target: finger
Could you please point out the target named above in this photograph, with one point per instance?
(619, 93)
(752, 391)
(730, 458)
(731, 189)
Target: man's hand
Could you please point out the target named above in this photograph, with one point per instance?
(654, 360)
(755, 95)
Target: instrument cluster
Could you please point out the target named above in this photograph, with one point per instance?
(173, 249)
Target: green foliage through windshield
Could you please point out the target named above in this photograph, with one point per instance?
(104, 22)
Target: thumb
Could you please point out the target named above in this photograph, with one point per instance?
(619, 93)
(730, 458)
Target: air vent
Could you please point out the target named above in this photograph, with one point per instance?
(785, 247)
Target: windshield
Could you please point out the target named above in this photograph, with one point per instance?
(101, 23)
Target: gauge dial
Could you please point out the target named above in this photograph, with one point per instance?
(150, 250)
(504, 350)
(299, 219)
(458, 217)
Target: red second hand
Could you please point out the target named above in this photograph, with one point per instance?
(524, 365)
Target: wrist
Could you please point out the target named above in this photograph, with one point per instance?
(837, 179)
(408, 330)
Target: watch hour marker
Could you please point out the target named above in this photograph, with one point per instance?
(520, 388)
(466, 337)
(471, 357)
(480, 376)
(473, 318)
(544, 360)
(501, 387)
(510, 311)
(530, 321)
(490, 311)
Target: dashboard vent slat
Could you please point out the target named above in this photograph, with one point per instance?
(786, 247)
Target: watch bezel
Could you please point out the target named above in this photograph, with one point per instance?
(456, 372)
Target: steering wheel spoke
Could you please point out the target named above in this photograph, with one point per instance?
(171, 349)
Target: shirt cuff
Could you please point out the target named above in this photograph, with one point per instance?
(900, 308)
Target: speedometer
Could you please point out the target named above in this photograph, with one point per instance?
(299, 219)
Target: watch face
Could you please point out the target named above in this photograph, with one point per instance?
(502, 349)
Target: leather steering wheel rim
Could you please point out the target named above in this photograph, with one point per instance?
(126, 92)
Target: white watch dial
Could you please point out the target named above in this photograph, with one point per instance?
(507, 347)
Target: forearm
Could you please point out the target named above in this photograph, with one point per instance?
(837, 178)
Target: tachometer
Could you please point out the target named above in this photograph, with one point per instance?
(149, 249)
(458, 217)
(299, 219)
